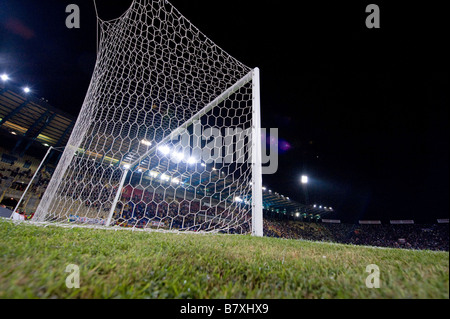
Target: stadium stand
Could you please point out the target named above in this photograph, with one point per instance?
(15, 175)
(412, 236)
(27, 120)
(28, 126)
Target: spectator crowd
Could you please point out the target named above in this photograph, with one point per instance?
(413, 236)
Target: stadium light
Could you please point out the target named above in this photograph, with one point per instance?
(179, 156)
(164, 149)
(26, 89)
(164, 177)
(153, 174)
(4, 77)
(192, 160)
(304, 181)
(146, 143)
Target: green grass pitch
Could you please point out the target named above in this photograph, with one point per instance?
(127, 264)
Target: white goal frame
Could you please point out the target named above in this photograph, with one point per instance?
(257, 198)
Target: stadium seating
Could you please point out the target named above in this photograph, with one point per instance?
(415, 236)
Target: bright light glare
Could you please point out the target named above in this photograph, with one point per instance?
(164, 177)
(27, 90)
(164, 149)
(178, 156)
(192, 160)
(238, 199)
(304, 179)
(4, 77)
(153, 174)
(146, 143)
(127, 166)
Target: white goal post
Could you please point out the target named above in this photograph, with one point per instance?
(169, 134)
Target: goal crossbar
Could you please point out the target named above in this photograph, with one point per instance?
(222, 97)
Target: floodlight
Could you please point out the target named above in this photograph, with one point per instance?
(178, 156)
(153, 174)
(146, 143)
(304, 179)
(192, 160)
(164, 177)
(164, 149)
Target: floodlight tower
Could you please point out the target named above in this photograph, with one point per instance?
(304, 181)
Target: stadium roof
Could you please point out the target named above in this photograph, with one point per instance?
(279, 203)
(33, 119)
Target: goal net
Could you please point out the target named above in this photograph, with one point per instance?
(168, 136)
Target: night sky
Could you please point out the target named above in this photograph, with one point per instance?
(363, 112)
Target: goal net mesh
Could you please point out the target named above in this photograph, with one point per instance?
(164, 136)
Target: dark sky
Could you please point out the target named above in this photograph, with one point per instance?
(364, 113)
